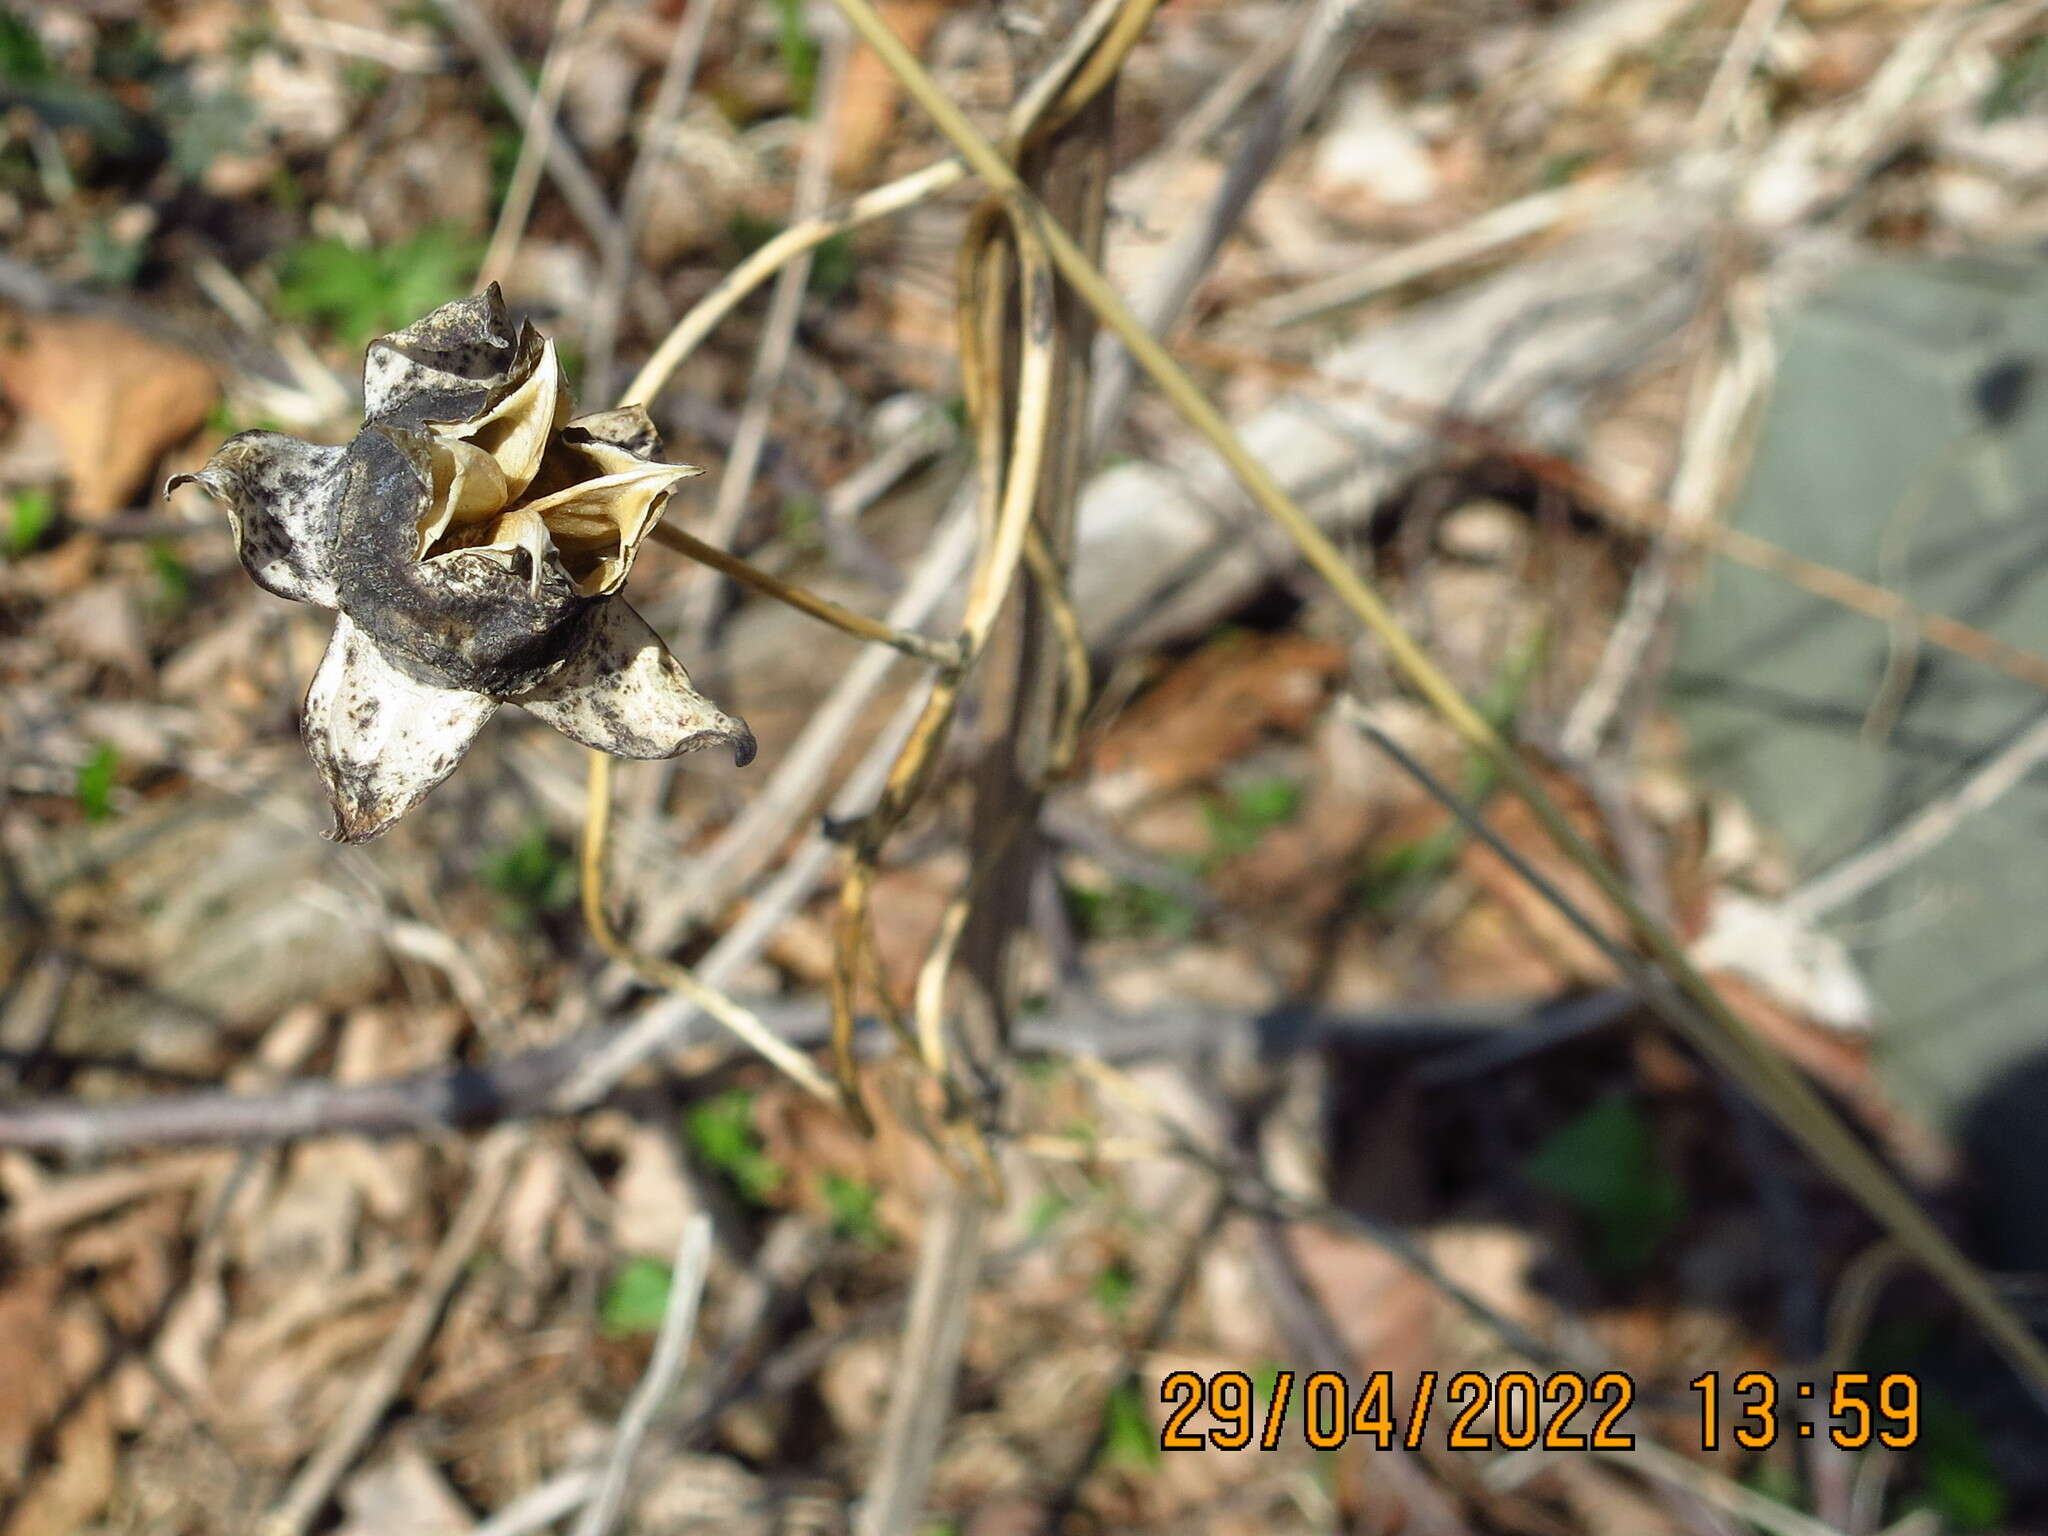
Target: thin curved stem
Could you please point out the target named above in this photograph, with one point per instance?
(944, 654)
(689, 332)
(663, 973)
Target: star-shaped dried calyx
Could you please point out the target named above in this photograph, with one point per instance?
(472, 540)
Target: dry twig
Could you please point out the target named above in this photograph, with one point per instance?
(778, 331)
(537, 137)
(679, 70)
(664, 1366)
(496, 1158)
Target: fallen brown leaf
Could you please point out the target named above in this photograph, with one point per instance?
(49, 1348)
(1213, 708)
(115, 398)
(867, 107)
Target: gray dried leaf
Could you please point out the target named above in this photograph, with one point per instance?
(472, 540)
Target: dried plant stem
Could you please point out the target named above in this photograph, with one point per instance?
(664, 1366)
(579, 187)
(1318, 57)
(663, 973)
(537, 136)
(746, 846)
(1726, 391)
(944, 654)
(1086, 62)
(994, 573)
(542, 1508)
(1752, 36)
(778, 332)
(689, 332)
(315, 1484)
(1487, 232)
(739, 850)
(1077, 675)
(799, 875)
(1084, 66)
(921, 1398)
(601, 333)
(1728, 1041)
(1044, 93)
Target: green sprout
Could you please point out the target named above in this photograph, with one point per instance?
(853, 1203)
(95, 783)
(1129, 1442)
(29, 516)
(799, 53)
(531, 877)
(359, 293)
(721, 1132)
(1603, 1162)
(1240, 819)
(635, 1300)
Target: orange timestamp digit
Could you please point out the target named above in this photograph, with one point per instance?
(1861, 1408)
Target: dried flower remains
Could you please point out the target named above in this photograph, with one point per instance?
(471, 540)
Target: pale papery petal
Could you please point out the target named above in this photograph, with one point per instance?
(623, 693)
(604, 520)
(517, 541)
(468, 487)
(282, 498)
(516, 430)
(628, 427)
(449, 366)
(380, 737)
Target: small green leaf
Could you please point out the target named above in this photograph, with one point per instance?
(1391, 878)
(96, 782)
(1265, 1380)
(1129, 1442)
(532, 877)
(1129, 909)
(799, 53)
(721, 1132)
(2021, 83)
(1045, 1212)
(29, 516)
(1113, 1287)
(22, 60)
(361, 293)
(1604, 1163)
(799, 519)
(853, 1203)
(832, 268)
(1248, 813)
(1957, 1472)
(1559, 169)
(635, 1300)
